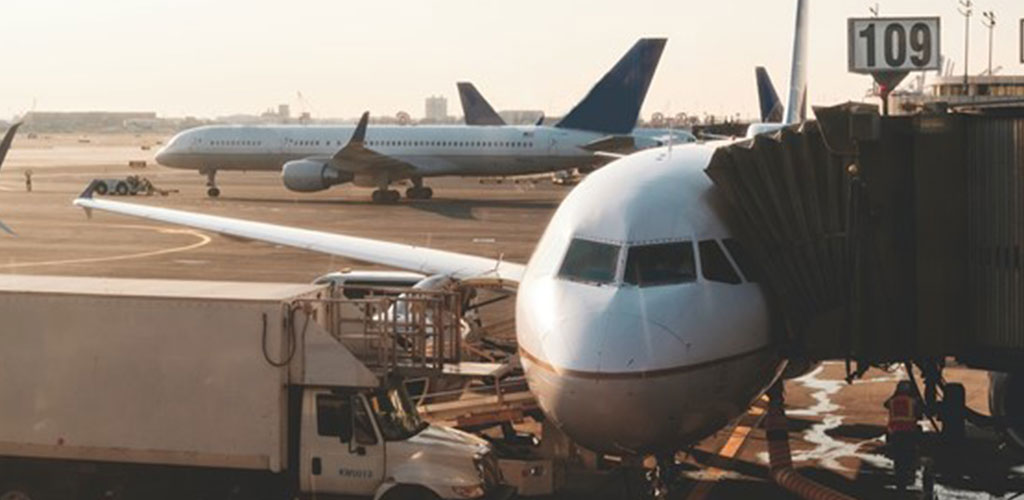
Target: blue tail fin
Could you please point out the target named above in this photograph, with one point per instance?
(771, 105)
(477, 110)
(613, 105)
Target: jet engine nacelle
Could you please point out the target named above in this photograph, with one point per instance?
(307, 176)
(1006, 403)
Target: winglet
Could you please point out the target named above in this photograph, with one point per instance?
(475, 108)
(87, 194)
(613, 105)
(5, 145)
(360, 134)
(767, 97)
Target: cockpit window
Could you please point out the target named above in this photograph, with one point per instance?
(742, 259)
(715, 265)
(590, 261)
(660, 264)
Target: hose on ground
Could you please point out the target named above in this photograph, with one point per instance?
(780, 459)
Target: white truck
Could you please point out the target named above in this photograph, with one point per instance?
(124, 389)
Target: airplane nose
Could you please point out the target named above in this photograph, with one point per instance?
(608, 343)
(161, 155)
(164, 156)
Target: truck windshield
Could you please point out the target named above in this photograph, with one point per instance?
(396, 415)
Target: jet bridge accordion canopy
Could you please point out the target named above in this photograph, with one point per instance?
(888, 238)
(791, 197)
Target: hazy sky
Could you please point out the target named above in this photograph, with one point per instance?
(214, 57)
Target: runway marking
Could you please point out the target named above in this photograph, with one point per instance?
(737, 437)
(203, 241)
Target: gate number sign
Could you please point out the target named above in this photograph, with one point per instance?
(888, 44)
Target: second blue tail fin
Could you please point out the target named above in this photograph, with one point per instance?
(767, 97)
(613, 105)
(476, 109)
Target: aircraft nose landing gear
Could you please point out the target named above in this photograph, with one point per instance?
(211, 182)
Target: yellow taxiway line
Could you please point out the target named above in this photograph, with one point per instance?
(203, 241)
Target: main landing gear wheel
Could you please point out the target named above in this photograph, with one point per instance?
(386, 196)
(419, 193)
(213, 192)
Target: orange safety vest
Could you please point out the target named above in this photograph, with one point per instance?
(902, 413)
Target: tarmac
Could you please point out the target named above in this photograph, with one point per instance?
(836, 429)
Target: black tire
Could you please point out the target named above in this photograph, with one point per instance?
(427, 193)
(121, 189)
(409, 492)
(213, 192)
(101, 189)
(954, 411)
(21, 491)
(393, 196)
(377, 196)
(412, 193)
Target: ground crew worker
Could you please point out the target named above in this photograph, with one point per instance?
(903, 432)
(28, 180)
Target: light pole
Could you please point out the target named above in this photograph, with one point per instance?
(990, 23)
(966, 11)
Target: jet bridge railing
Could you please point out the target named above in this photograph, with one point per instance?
(391, 330)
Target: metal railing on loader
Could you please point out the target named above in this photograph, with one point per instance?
(408, 331)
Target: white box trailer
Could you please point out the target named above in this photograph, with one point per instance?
(139, 388)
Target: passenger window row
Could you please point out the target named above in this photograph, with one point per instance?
(236, 143)
(657, 264)
(453, 144)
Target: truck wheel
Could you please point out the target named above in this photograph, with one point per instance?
(20, 492)
(101, 188)
(121, 189)
(407, 492)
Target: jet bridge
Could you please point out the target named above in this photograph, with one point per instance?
(886, 239)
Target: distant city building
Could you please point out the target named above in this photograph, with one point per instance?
(93, 121)
(436, 109)
(282, 115)
(981, 91)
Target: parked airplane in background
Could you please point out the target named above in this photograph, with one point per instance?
(5, 146)
(479, 112)
(311, 158)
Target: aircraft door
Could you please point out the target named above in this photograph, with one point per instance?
(343, 452)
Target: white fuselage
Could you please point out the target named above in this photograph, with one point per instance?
(632, 369)
(430, 150)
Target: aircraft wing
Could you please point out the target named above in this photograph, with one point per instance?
(355, 157)
(410, 257)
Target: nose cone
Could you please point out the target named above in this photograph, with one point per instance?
(171, 155)
(640, 370)
(163, 156)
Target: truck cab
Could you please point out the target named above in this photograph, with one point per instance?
(373, 443)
